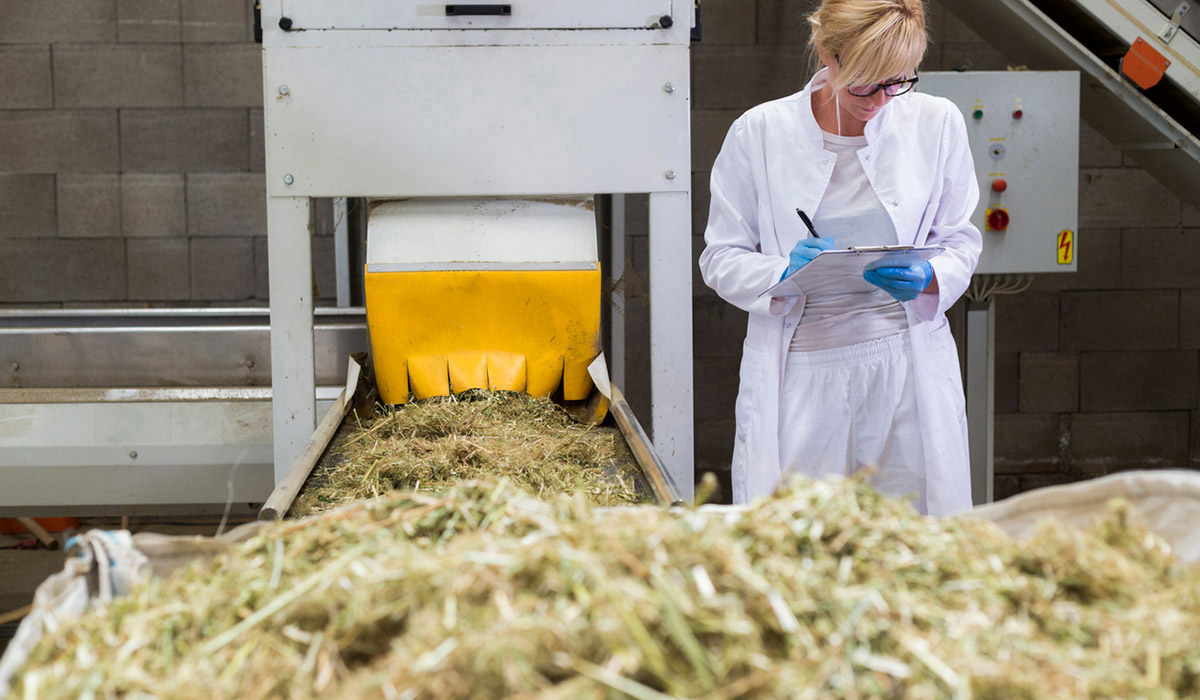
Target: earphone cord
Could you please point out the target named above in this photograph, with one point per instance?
(837, 110)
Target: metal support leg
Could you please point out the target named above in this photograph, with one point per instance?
(981, 382)
(617, 271)
(293, 381)
(671, 334)
(341, 250)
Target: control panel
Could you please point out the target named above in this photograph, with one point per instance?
(1023, 128)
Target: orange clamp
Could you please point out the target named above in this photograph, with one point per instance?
(1143, 64)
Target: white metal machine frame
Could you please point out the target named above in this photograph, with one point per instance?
(377, 98)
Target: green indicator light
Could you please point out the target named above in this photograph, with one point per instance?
(978, 114)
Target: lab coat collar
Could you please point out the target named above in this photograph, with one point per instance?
(808, 120)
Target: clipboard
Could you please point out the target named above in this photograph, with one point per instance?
(842, 270)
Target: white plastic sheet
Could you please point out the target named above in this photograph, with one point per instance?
(1167, 501)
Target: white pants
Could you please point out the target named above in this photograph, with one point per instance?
(848, 408)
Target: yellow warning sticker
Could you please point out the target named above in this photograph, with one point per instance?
(1066, 247)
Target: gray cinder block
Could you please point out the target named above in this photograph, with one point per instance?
(1049, 382)
(952, 27)
(152, 205)
(1027, 323)
(709, 127)
(1095, 151)
(1103, 443)
(1124, 197)
(1194, 458)
(713, 444)
(701, 199)
(1005, 399)
(223, 75)
(67, 270)
(716, 387)
(214, 20)
(262, 283)
(148, 21)
(222, 268)
(739, 77)
(59, 141)
(1191, 216)
(1120, 320)
(158, 269)
(721, 326)
(49, 21)
(729, 22)
(324, 268)
(1161, 258)
(89, 206)
(971, 55)
(258, 147)
(779, 22)
(27, 206)
(118, 75)
(1030, 442)
(183, 140)
(25, 81)
(1150, 380)
(227, 204)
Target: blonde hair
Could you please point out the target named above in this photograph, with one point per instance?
(873, 40)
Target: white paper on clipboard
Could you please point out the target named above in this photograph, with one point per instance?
(842, 270)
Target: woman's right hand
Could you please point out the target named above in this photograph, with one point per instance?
(805, 251)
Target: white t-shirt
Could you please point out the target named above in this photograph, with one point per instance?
(851, 214)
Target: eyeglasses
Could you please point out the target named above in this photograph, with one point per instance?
(891, 88)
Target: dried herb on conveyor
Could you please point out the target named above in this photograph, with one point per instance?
(436, 443)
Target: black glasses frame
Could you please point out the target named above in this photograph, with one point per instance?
(891, 88)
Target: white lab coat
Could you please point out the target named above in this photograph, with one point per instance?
(773, 160)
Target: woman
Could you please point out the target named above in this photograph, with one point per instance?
(834, 382)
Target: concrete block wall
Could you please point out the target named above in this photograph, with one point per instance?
(131, 155)
(1096, 371)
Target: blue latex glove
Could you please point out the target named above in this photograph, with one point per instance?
(805, 251)
(903, 283)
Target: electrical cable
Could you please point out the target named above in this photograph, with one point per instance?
(984, 287)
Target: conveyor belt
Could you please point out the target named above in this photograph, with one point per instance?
(1156, 129)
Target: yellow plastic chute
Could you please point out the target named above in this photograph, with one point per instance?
(437, 332)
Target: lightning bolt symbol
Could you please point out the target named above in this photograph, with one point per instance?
(1064, 246)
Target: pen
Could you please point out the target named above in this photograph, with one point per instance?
(807, 222)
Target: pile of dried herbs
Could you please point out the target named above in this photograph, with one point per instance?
(827, 590)
(435, 443)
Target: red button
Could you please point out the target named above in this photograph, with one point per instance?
(1000, 185)
(1018, 114)
(997, 220)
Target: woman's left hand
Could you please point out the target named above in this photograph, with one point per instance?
(903, 283)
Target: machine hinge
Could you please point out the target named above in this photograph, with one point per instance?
(1168, 32)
